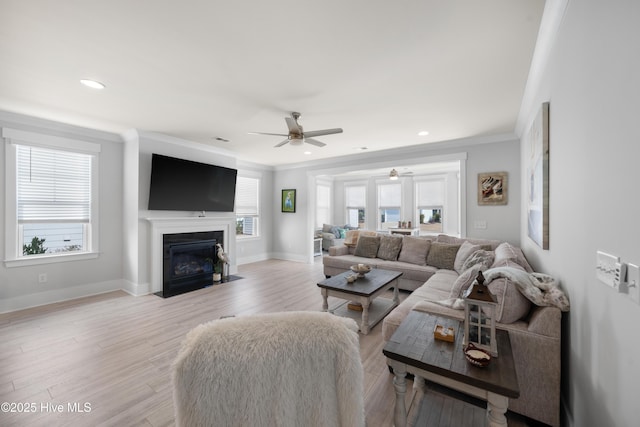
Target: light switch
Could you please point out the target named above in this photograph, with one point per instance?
(480, 224)
(606, 268)
(633, 282)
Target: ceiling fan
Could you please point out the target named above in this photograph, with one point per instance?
(297, 136)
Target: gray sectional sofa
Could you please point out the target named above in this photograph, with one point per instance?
(437, 269)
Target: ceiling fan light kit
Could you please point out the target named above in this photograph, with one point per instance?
(297, 136)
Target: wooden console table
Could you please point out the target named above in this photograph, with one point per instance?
(413, 349)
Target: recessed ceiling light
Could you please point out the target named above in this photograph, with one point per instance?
(217, 138)
(92, 84)
(307, 152)
(360, 148)
(423, 133)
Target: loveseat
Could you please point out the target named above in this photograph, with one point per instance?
(437, 270)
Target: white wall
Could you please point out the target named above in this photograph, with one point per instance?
(592, 80)
(19, 287)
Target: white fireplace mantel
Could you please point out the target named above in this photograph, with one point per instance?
(171, 225)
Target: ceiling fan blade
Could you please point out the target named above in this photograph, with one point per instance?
(322, 132)
(265, 133)
(314, 142)
(293, 125)
(282, 143)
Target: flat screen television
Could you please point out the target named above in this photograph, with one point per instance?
(184, 185)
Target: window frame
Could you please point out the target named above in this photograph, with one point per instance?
(256, 216)
(13, 248)
(327, 220)
(380, 207)
(358, 208)
(430, 206)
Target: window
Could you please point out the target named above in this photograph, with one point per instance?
(323, 205)
(52, 196)
(355, 202)
(247, 206)
(429, 204)
(389, 205)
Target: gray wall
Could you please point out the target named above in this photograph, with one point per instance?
(591, 79)
(19, 287)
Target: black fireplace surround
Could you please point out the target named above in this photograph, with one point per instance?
(187, 261)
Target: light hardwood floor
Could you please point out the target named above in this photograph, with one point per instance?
(113, 351)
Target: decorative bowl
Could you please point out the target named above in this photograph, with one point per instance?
(361, 269)
(476, 356)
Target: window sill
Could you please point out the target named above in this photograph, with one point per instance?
(49, 259)
(246, 238)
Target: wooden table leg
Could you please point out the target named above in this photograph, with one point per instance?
(496, 408)
(400, 385)
(325, 301)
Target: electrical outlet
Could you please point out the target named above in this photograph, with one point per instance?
(606, 268)
(42, 278)
(633, 285)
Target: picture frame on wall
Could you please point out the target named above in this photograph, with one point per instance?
(288, 202)
(492, 188)
(536, 145)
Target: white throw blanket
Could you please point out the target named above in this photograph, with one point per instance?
(540, 289)
(280, 369)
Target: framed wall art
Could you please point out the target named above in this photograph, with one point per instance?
(536, 144)
(288, 200)
(492, 188)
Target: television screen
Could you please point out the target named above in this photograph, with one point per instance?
(184, 185)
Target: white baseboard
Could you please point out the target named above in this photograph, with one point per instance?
(254, 258)
(136, 289)
(57, 295)
(290, 257)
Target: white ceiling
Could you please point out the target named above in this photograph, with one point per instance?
(381, 70)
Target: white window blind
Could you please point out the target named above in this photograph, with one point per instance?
(430, 193)
(323, 205)
(355, 196)
(247, 196)
(53, 185)
(389, 195)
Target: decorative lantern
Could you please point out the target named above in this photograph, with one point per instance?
(479, 317)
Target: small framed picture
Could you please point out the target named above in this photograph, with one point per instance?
(289, 200)
(492, 188)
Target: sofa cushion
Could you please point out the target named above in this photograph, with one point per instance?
(512, 305)
(465, 251)
(390, 246)
(491, 244)
(479, 257)
(414, 250)
(367, 246)
(506, 251)
(442, 255)
(326, 228)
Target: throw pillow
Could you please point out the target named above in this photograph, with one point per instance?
(506, 251)
(367, 246)
(326, 228)
(343, 233)
(442, 255)
(335, 230)
(465, 251)
(480, 257)
(390, 246)
(414, 250)
(351, 238)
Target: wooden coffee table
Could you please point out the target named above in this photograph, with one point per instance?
(413, 349)
(364, 290)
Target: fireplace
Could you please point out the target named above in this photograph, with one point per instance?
(188, 260)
